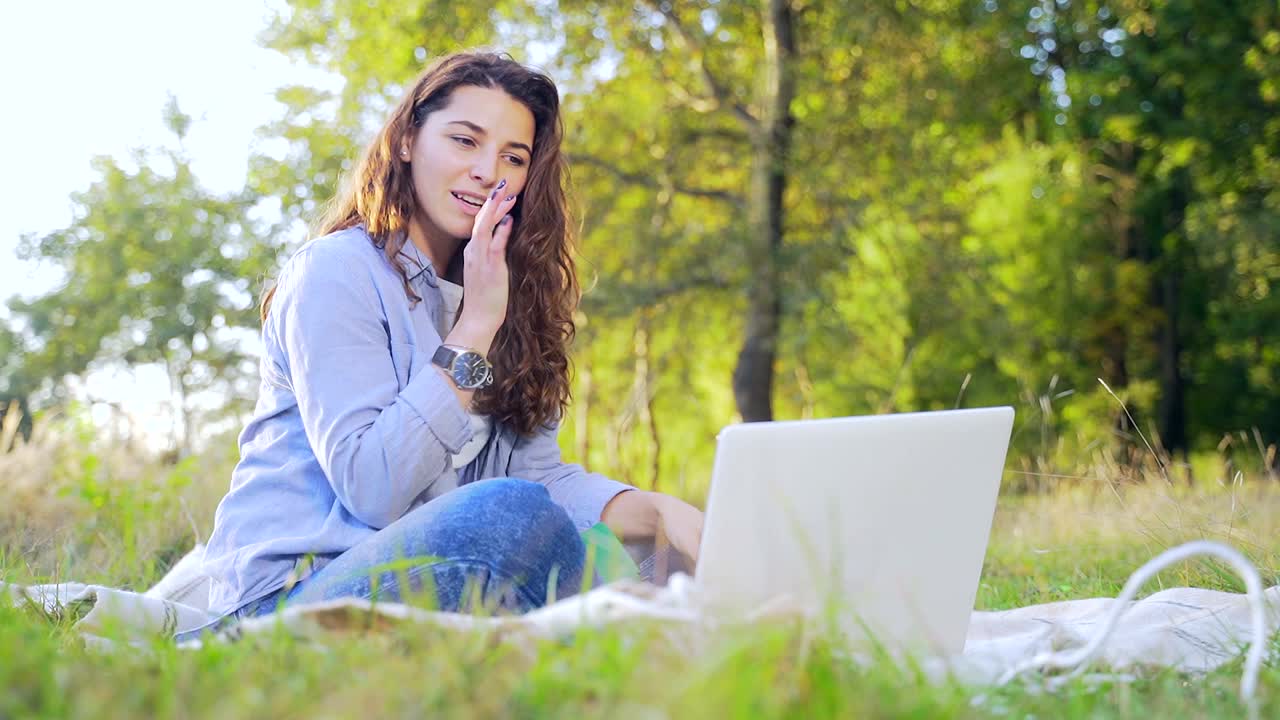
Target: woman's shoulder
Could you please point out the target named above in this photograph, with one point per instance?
(345, 256)
(337, 250)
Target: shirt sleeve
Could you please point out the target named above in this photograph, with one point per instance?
(379, 446)
(582, 494)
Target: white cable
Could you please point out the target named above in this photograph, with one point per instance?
(1079, 658)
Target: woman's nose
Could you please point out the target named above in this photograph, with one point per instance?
(485, 171)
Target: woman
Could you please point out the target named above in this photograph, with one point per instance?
(415, 369)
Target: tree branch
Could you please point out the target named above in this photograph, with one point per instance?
(719, 91)
(650, 182)
(619, 300)
(687, 134)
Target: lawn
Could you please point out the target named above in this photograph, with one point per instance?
(106, 515)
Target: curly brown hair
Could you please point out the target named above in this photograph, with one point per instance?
(530, 353)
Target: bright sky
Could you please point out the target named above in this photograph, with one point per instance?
(85, 77)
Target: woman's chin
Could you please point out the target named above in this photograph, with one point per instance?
(448, 223)
(461, 228)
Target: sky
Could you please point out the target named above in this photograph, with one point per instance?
(83, 78)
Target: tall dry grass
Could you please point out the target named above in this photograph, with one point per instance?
(77, 506)
(1081, 532)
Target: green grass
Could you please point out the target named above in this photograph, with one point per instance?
(120, 520)
(48, 672)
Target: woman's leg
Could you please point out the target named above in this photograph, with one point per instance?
(502, 541)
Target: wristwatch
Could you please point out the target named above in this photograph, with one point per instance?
(468, 369)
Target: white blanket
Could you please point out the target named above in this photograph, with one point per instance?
(1187, 629)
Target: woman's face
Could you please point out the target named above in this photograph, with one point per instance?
(462, 152)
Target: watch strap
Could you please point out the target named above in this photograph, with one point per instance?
(445, 355)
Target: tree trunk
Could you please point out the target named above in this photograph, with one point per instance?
(1115, 342)
(1172, 416)
(185, 413)
(582, 419)
(176, 402)
(753, 375)
(644, 395)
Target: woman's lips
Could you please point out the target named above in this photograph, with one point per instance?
(465, 206)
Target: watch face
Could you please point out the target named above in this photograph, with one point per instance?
(470, 370)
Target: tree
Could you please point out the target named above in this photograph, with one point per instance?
(887, 206)
(702, 186)
(15, 389)
(158, 271)
(1170, 101)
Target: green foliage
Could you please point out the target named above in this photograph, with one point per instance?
(983, 203)
(14, 386)
(158, 270)
(772, 669)
(100, 509)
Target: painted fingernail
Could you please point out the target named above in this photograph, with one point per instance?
(502, 184)
(494, 194)
(510, 198)
(506, 220)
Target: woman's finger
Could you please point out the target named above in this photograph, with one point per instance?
(498, 247)
(495, 207)
(489, 214)
(502, 209)
(482, 226)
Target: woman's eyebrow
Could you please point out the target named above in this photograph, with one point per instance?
(481, 131)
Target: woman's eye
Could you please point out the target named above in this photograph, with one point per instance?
(516, 160)
(464, 141)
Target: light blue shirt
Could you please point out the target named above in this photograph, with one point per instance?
(354, 426)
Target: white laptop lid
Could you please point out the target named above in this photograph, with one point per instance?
(887, 517)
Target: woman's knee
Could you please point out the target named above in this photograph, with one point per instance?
(510, 527)
(515, 513)
(511, 490)
(523, 535)
(521, 503)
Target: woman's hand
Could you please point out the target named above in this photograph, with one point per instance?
(681, 524)
(485, 281)
(635, 514)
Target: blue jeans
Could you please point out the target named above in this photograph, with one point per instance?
(498, 544)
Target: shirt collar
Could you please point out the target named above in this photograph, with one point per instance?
(416, 264)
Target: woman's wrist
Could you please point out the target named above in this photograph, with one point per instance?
(472, 334)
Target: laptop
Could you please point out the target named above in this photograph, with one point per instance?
(879, 523)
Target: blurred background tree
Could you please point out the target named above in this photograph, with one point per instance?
(158, 270)
(789, 209)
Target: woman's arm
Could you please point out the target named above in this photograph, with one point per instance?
(582, 494)
(631, 515)
(379, 446)
(636, 515)
(590, 497)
